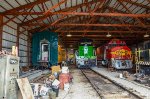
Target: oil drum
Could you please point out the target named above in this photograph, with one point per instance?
(64, 78)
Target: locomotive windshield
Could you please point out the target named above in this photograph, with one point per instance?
(114, 45)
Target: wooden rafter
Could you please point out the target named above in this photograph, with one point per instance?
(137, 4)
(55, 6)
(99, 6)
(121, 2)
(52, 24)
(63, 10)
(26, 6)
(103, 14)
(101, 31)
(105, 25)
(92, 14)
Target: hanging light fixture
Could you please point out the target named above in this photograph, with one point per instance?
(69, 35)
(146, 35)
(108, 35)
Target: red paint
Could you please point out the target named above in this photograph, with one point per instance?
(116, 49)
(64, 78)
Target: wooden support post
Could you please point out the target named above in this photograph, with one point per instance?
(1, 32)
(18, 33)
(29, 49)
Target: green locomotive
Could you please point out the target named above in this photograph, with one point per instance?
(85, 55)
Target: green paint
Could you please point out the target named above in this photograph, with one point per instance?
(86, 51)
(52, 38)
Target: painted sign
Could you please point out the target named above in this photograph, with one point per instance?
(121, 52)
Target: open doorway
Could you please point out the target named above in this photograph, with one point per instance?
(45, 50)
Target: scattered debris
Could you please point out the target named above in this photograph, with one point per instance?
(125, 74)
(25, 88)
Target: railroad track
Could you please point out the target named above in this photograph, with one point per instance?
(106, 88)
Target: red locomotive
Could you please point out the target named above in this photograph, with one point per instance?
(115, 54)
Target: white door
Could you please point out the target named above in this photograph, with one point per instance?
(45, 52)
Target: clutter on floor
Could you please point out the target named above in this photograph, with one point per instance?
(143, 78)
(140, 77)
(59, 78)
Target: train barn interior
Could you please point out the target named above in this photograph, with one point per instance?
(75, 49)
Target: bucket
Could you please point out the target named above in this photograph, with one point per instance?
(64, 78)
(65, 69)
(66, 86)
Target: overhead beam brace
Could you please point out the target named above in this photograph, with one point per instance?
(120, 19)
(26, 6)
(117, 25)
(102, 14)
(50, 13)
(101, 31)
(121, 2)
(23, 13)
(92, 14)
(56, 21)
(100, 5)
(137, 4)
(55, 6)
(130, 36)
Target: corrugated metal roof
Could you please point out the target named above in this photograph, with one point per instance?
(35, 16)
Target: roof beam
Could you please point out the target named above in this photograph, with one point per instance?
(94, 36)
(94, 39)
(88, 14)
(137, 4)
(106, 25)
(141, 23)
(50, 13)
(26, 6)
(55, 6)
(102, 14)
(101, 31)
(24, 13)
(100, 5)
(74, 17)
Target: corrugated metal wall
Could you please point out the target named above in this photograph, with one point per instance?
(9, 39)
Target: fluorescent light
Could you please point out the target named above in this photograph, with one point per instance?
(146, 35)
(69, 35)
(108, 35)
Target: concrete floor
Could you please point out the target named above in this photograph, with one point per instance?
(137, 88)
(79, 89)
